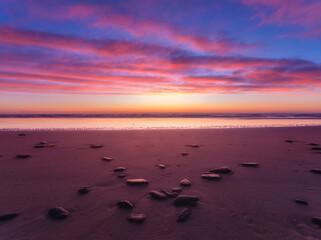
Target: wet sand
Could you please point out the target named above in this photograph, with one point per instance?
(250, 203)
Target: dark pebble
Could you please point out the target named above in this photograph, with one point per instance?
(184, 215)
(316, 148)
(313, 144)
(96, 146)
(23, 156)
(186, 182)
(157, 195)
(137, 181)
(250, 164)
(184, 200)
(302, 202)
(211, 176)
(39, 146)
(122, 175)
(316, 171)
(108, 159)
(84, 190)
(221, 170)
(125, 204)
(120, 169)
(8, 216)
(136, 218)
(58, 213)
(184, 154)
(316, 220)
(288, 141)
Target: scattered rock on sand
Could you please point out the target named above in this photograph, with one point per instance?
(300, 201)
(316, 148)
(185, 182)
(108, 159)
(288, 141)
(84, 190)
(136, 218)
(23, 156)
(316, 220)
(158, 195)
(221, 170)
(125, 204)
(162, 166)
(250, 164)
(316, 171)
(8, 216)
(184, 200)
(184, 215)
(120, 169)
(96, 146)
(58, 213)
(211, 176)
(137, 181)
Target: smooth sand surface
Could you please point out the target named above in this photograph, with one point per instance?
(251, 203)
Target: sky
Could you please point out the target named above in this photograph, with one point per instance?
(148, 56)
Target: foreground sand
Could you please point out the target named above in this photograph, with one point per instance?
(252, 203)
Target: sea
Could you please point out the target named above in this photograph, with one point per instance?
(155, 121)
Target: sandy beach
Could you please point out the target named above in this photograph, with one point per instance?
(249, 203)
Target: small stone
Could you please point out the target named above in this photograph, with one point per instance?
(300, 201)
(137, 181)
(8, 216)
(313, 144)
(84, 190)
(122, 175)
(177, 189)
(250, 164)
(39, 146)
(96, 146)
(108, 159)
(316, 220)
(136, 218)
(288, 141)
(316, 148)
(22, 134)
(318, 171)
(184, 215)
(43, 143)
(23, 156)
(125, 204)
(157, 195)
(162, 166)
(221, 170)
(120, 169)
(211, 176)
(184, 200)
(184, 154)
(58, 213)
(168, 194)
(185, 182)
